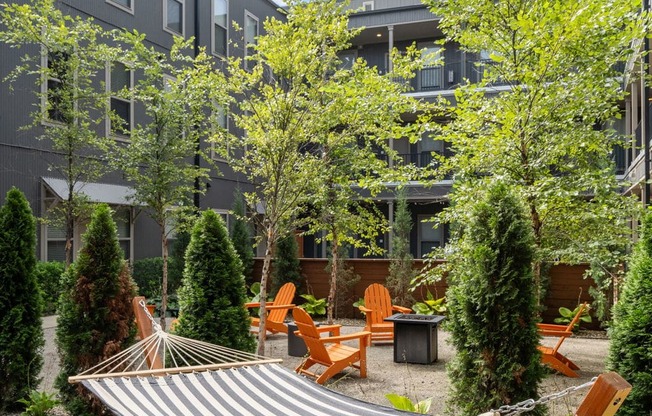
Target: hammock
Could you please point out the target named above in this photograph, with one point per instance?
(165, 374)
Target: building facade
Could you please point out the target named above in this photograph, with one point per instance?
(25, 160)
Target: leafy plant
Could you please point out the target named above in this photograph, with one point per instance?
(314, 306)
(404, 403)
(430, 306)
(38, 403)
(567, 316)
(254, 289)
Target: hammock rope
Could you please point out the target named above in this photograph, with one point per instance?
(177, 355)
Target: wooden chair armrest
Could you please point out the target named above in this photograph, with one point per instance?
(364, 309)
(552, 327)
(401, 309)
(272, 307)
(335, 329)
(346, 337)
(552, 333)
(252, 305)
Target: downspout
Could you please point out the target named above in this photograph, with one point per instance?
(196, 196)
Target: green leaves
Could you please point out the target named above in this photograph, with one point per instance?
(404, 403)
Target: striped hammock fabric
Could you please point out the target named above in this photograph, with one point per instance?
(266, 389)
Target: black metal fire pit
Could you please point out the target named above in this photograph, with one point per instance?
(415, 337)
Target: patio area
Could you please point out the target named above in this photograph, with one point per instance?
(417, 381)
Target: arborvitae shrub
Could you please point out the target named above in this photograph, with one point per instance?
(401, 270)
(491, 309)
(630, 352)
(48, 276)
(241, 238)
(147, 274)
(286, 267)
(96, 319)
(212, 296)
(21, 337)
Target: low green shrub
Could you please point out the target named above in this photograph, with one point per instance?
(48, 275)
(147, 274)
(39, 403)
(313, 306)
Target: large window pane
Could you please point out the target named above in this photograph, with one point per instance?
(174, 16)
(220, 26)
(123, 110)
(220, 40)
(120, 77)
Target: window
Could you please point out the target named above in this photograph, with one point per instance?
(173, 16)
(119, 82)
(221, 123)
(429, 237)
(53, 93)
(347, 58)
(56, 242)
(126, 5)
(250, 35)
(367, 6)
(431, 76)
(122, 218)
(220, 30)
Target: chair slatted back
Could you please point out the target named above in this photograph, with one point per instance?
(377, 298)
(285, 296)
(311, 336)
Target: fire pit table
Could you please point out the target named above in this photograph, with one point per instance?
(415, 337)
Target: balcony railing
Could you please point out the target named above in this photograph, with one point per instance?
(447, 76)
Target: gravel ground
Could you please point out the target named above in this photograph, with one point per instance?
(416, 381)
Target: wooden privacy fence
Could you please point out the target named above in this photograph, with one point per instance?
(567, 283)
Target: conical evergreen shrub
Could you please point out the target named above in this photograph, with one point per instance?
(491, 309)
(21, 337)
(401, 270)
(212, 295)
(96, 319)
(286, 267)
(630, 352)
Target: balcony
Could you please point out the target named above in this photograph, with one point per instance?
(448, 76)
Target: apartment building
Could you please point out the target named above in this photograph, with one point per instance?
(24, 159)
(398, 24)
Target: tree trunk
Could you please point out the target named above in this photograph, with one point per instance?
(262, 312)
(333, 285)
(70, 231)
(164, 283)
(536, 266)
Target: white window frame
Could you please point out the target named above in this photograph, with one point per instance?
(114, 3)
(213, 23)
(224, 213)
(107, 80)
(247, 14)
(366, 4)
(225, 115)
(183, 18)
(130, 238)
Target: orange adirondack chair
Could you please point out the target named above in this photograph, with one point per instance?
(377, 307)
(552, 356)
(336, 356)
(277, 310)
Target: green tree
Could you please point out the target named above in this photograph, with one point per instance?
(553, 66)
(213, 293)
(287, 267)
(74, 107)
(491, 308)
(401, 270)
(21, 338)
(241, 237)
(176, 91)
(306, 118)
(631, 332)
(96, 319)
